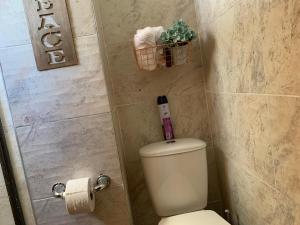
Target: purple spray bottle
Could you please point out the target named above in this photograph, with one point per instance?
(165, 117)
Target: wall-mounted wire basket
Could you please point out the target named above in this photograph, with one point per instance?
(166, 55)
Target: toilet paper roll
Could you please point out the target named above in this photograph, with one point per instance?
(79, 196)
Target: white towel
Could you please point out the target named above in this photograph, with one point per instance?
(145, 43)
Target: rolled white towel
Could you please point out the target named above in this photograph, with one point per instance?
(147, 37)
(145, 43)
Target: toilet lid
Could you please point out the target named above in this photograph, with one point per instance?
(203, 217)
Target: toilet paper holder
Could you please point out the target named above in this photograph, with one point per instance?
(102, 182)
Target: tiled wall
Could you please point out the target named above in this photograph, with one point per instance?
(62, 118)
(6, 216)
(133, 92)
(16, 162)
(252, 51)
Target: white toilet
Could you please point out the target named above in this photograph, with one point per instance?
(176, 176)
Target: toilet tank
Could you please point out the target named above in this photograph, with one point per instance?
(176, 175)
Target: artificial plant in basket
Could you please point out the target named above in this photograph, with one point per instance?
(179, 34)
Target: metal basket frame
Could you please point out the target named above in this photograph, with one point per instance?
(163, 55)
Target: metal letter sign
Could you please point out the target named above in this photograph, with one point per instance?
(51, 33)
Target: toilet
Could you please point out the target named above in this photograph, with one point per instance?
(176, 176)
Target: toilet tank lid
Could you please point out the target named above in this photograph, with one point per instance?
(176, 146)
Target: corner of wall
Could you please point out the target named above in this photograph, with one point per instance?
(115, 119)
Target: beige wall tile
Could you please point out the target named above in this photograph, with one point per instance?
(189, 114)
(214, 194)
(13, 148)
(285, 117)
(82, 17)
(133, 121)
(185, 9)
(131, 85)
(223, 114)
(133, 15)
(13, 26)
(3, 192)
(209, 11)
(14, 29)
(263, 62)
(280, 47)
(253, 135)
(59, 113)
(134, 92)
(242, 131)
(55, 94)
(49, 151)
(111, 209)
(251, 49)
(271, 207)
(6, 216)
(141, 205)
(224, 66)
(137, 88)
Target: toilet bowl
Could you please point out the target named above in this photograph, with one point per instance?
(202, 217)
(176, 176)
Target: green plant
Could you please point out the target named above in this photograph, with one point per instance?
(178, 32)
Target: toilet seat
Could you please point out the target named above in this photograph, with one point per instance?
(203, 217)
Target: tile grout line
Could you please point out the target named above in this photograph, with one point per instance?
(221, 14)
(252, 93)
(43, 199)
(29, 43)
(67, 119)
(143, 101)
(249, 172)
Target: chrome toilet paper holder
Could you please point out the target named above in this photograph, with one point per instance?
(102, 182)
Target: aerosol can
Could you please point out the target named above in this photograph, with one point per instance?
(165, 117)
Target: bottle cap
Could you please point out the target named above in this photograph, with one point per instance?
(162, 100)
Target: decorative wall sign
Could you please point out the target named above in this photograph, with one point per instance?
(51, 33)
